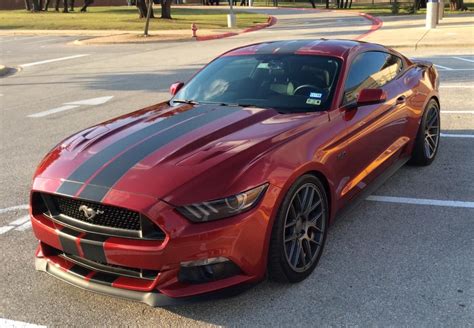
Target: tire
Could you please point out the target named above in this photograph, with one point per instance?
(294, 227)
(427, 140)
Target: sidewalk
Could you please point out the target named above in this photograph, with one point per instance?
(410, 32)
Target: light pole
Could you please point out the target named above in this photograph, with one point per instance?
(431, 14)
(231, 21)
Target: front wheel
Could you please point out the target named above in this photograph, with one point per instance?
(427, 140)
(299, 232)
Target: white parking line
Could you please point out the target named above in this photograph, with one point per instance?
(457, 112)
(53, 111)
(457, 86)
(421, 201)
(52, 60)
(17, 324)
(14, 208)
(444, 67)
(20, 224)
(453, 135)
(465, 59)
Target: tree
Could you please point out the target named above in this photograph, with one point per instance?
(456, 5)
(327, 4)
(148, 16)
(143, 9)
(166, 9)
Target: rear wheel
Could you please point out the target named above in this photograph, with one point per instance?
(299, 231)
(427, 140)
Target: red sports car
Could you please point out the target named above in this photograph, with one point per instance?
(240, 174)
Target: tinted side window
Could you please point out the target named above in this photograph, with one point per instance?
(370, 70)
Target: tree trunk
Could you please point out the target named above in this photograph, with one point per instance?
(27, 5)
(456, 5)
(166, 9)
(148, 16)
(350, 4)
(143, 9)
(327, 4)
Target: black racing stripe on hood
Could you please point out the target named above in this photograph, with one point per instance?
(283, 47)
(116, 169)
(90, 166)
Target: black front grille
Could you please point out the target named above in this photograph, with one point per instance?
(108, 220)
(110, 268)
(110, 216)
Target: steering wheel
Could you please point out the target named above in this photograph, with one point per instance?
(306, 86)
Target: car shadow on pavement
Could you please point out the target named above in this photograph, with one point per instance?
(132, 81)
(384, 264)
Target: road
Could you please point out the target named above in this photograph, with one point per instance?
(390, 262)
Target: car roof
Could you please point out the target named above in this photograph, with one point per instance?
(337, 48)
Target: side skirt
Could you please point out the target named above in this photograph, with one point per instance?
(371, 188)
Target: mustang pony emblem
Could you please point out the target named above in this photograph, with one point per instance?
(89, 213)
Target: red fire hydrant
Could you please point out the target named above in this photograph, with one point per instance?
(194, 29)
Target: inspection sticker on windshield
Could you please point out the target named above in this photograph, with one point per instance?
(315, 95)
(311, 101)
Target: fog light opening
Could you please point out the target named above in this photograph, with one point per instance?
(207, 270)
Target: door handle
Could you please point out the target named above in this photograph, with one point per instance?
(401, 100)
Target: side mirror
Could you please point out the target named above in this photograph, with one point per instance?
(371, 97)
(175, 87)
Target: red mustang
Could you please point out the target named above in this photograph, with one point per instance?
(238, 175)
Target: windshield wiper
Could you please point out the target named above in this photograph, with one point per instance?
(185, 101)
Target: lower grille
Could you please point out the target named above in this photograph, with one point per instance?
(110, 268)
(93, 217)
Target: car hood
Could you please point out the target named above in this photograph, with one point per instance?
(179, 154)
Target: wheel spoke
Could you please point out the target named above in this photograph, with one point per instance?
(314, 242)
(290, 224)
(292, 249)
(290, 238)
(302, 254)
(293, 213)
(298, 251)
(315, 219)
(307, 249)
(313, 207)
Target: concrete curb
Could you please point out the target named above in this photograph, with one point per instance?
(376, 24)
(271, 21)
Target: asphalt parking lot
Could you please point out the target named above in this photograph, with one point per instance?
(404, 257)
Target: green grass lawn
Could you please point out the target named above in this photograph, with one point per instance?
(376, 10)
(122, 18)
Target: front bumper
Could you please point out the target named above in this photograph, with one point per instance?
(242, 239)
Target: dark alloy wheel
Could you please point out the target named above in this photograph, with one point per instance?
(431, 132)
(299, 231)
(427, 141)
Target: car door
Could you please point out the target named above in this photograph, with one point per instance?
(373, 135)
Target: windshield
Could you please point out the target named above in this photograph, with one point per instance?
(288, 83)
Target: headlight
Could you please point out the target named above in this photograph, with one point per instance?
(223, 208)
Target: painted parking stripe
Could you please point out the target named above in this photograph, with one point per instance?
(457, 112)
(465, 59)
(421, 201)
(14, 208)
(453, 135)
(52, 60)
(53, 111)
(17, 324)
(444, 67)
(457, 86)
(21, 224)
